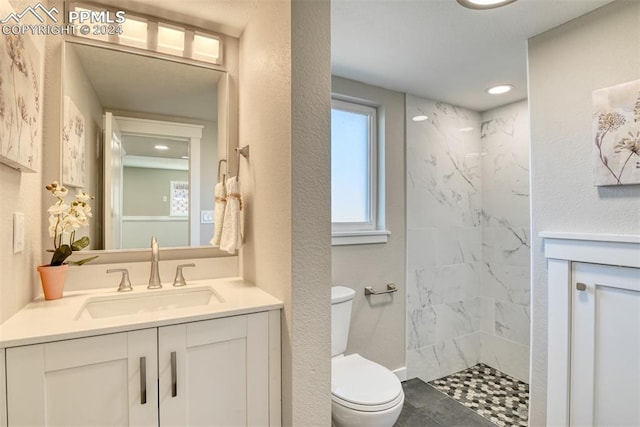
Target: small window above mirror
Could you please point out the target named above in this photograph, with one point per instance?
(148, 33)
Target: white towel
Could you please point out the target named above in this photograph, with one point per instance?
(219, 208)
(231, 238)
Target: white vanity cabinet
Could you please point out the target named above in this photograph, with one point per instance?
(83, 382)
(211, 372)
(593, 376)
(215, 373)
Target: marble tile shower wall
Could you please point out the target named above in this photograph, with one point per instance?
(444, 234)
(468, 239)
(505, 287)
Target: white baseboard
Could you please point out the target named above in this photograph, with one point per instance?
(401, 373)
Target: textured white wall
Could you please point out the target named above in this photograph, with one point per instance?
(284, 116)
(378, 323)
(265, 124)
(21, 192)
(311, 211)
(505, 288)
(566, 64)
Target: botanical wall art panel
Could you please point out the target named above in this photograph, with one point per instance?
(73, 151)
(616, 134)
(20, 100)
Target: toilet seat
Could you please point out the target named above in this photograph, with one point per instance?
(363, 385)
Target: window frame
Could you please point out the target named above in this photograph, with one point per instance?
(371, 231)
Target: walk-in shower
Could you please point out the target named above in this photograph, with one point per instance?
(468, 239)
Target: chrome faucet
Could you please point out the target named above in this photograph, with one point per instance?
(154, 278)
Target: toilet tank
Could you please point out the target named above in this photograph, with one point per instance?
(341, 301)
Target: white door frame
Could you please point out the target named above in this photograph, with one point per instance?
(112, 208)
(193, 133)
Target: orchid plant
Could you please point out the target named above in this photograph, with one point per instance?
(65, 220)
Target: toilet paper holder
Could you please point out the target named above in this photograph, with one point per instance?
(391, 287)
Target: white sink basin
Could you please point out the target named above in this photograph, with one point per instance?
(147, 301)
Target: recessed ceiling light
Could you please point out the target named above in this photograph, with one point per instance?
(419, 118)
(185, 157)
(467, 129)
(484, 4)
(160, 147)
(499, 89)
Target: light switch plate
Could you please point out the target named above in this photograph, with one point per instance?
(18, 232)
(206, 217)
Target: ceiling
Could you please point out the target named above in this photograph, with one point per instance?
(431, 48)
(440, 50)
(123, 82)
(143, 145)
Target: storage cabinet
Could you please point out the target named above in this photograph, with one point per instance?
(593, 375)
(605, 346)
(83, 382)
(213, 373)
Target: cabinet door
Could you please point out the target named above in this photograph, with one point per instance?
(605, 347)
(84, 382)
(215, 372)
(3, 389)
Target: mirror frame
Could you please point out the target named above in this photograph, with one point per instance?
(109, 256)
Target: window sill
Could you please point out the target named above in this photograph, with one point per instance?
(343, 238)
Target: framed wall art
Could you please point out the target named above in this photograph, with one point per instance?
(616, 134)
(73, 145)
(20, 100)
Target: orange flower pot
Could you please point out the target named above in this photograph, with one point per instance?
(52, 278)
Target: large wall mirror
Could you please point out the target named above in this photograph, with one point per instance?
(143, 135)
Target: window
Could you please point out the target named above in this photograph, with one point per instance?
(355, 183)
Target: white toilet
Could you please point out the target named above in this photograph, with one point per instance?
(363, 393)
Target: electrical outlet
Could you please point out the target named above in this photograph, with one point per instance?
(18, 232)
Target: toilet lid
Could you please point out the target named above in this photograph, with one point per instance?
(360, 381)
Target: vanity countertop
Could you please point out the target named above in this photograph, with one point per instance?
(44, 321)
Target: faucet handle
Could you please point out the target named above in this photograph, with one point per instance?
(179, 279)
(125, 284)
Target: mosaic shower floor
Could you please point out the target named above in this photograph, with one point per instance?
(499, 398)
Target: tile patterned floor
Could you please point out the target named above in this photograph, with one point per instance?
(490, 393)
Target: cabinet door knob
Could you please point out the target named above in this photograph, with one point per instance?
(581, 286)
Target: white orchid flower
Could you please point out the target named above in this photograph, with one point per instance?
(65, 219)
(70, 222)
(58, 208)
(82, 196)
